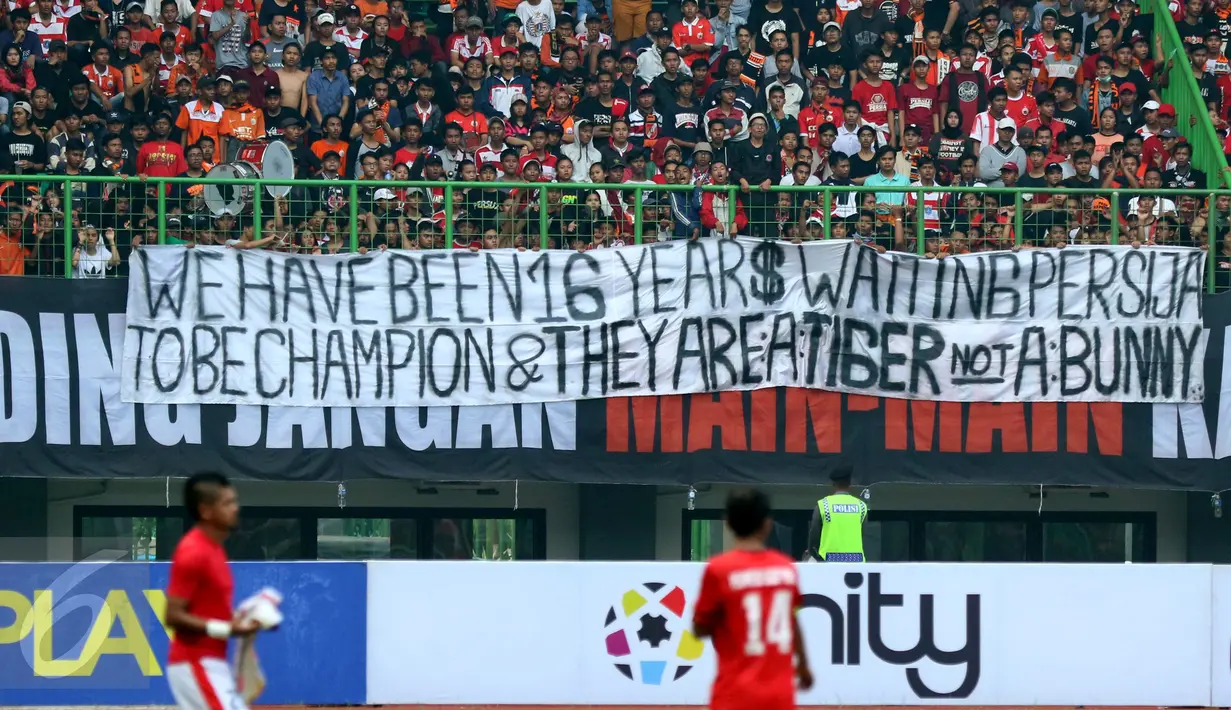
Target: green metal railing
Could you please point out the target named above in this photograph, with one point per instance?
(908, 226)
(1192, 115)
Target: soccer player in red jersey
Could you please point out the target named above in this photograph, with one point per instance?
(199, 601)
(748, 600)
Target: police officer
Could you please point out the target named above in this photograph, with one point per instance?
(836, 531)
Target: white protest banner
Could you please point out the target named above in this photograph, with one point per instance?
(411, 328)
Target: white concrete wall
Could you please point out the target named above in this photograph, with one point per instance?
(560, 500)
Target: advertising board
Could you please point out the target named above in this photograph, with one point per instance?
(92, 634)
(905, 634)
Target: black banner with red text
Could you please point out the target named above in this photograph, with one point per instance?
(61, 414)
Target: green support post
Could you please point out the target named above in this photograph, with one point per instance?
(826, 218)
(68, 228)
(1115, 218)
(543, 236)
(638, 216)
(1211, 228)
(732, 206)
(162, 211)
(1019, 218)
(448, 216)
(256, 211)
(920, 232)
(354, 218)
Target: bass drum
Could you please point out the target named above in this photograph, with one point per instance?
(233, 198)
(273, 161)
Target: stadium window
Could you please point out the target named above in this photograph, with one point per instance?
(327, 533)
(960, 536)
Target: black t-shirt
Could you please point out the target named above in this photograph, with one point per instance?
(818, 58)
(1073, 23)
(483, 206)
(862, 168)
(1207, 83)
(273, 124)
(1137, 79)
(1141, 26)
(1074, 119)
(895, 64)
(763, 22)
(1194, 33)
(1076, 181)
(315, 50)
(44, 123)
(594, 111)
(82, 28)
(29, 147)
(91, 108)
(682, 121)
(293, 10)
(1090, 36)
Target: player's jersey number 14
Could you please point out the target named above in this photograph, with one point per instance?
(775, 628)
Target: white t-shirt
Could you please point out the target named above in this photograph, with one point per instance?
(536, 20)
(93, 266)
(1161, 206)
(789, 180)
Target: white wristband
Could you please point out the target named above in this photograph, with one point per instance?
(218, 629)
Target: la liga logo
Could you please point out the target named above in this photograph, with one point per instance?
(647, 636)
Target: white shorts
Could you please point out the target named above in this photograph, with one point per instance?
(204, 685)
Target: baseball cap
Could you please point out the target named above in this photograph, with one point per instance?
(325, 18)
(1166, 109)
(512, 17)
(921, 59)
(913, 127)
(1006, 123)
(227, 78)
(1169, 133)
(115, 117)
(206, 82)
(56, 45)
(24, 106)
(384, 194)
(1051, 167)
(815, 220)
(728, 84)
(134, 4)
(834, 25)
(353, 10)
(508, 50)
(474, 22)
(1151, 106)
(239, 84)
(755, 116)
(1100, 203)
(291, 121)
(1128, 86)
(703, 147)
(628, 54)
(616, 162)
(1010, 166)
(1050, 11)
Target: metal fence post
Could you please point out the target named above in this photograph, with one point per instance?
(1019, 218)
(256, 211)
(448, 216)
(638, 216)
(162, 211)
(1115, 218)
(543, 236)
(826, 209)
(68, 228)
(354, 217)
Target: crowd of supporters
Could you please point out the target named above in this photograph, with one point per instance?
(753, 94)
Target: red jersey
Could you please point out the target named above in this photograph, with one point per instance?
(876, 101)
(748, 599)
(199, 574)
(918, 106)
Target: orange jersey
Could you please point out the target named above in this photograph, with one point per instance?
(109, 80)
(322, 146)
(198, 120)
(244, 123)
